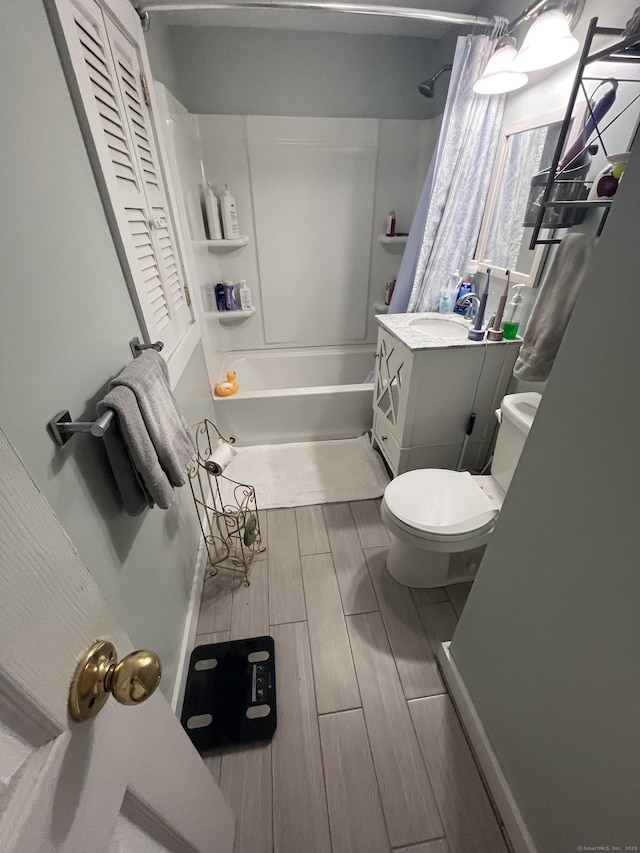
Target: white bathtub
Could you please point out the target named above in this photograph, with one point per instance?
(312, 394)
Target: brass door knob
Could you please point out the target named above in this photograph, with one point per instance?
(99, 674)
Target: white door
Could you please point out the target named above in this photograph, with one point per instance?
(128, 781)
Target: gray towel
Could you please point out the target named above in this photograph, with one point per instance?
(150, 445)
(147, 376)
(553, 308)
(132, 456)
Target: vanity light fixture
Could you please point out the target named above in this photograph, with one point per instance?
(499, 75)
(548, 42)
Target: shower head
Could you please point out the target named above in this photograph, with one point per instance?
(427, 87)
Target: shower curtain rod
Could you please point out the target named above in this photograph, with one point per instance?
(319, 6)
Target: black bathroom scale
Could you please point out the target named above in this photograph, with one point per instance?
(230, 696)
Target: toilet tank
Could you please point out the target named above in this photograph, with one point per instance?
(515, 415)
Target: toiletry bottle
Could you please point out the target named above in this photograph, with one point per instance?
(449, 293)
(513, 314)
(213, 214)
(388, 291)
(244, 292)
(229, 216)
(210, 297)
(230, 296)
(221, 297)
(390, 228)
(466, 287)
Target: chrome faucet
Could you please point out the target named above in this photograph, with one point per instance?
(471, 302)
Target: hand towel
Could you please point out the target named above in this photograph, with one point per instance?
(149, 444)
(553, 308)
(132, 456)
(147, 378)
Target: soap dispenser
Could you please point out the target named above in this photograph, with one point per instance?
(513, 314)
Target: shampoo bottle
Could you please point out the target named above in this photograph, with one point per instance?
(229, 216)
(213, 214)
(244, 293)
(230, 297)
(390, 227)
(221, 297)
(513, 314)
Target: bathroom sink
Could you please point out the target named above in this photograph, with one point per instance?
(440, 327)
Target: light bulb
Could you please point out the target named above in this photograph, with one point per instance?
(548, 42)
(498, 75)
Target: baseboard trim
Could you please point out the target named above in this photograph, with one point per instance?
(190, 628)
(519, 836)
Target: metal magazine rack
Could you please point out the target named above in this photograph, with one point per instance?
(227, 509)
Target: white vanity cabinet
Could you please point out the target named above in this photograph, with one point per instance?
(425, 391)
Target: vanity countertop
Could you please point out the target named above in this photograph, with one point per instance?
(401, 327)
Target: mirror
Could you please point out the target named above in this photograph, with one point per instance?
(503, 244)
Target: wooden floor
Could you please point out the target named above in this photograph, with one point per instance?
(369, 755)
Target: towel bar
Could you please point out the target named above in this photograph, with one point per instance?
(136, 347)
(61, 427)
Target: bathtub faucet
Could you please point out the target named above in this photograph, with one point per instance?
(471, 302)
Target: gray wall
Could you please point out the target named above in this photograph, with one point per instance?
(549, 643)
(160, 50)
(236, 71)
(65, 321)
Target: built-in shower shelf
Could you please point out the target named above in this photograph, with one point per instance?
(223, 245)
(380, 308)
(392, 242)
(232, 316)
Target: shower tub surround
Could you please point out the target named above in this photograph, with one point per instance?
(315, 275)
(306, 394)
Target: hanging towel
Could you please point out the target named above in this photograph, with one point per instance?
(553, 308)
(150, 446)
(148, 378)
(132, 456)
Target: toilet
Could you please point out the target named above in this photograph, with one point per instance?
(440, 521)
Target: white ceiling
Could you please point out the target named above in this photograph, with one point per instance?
(307, 20)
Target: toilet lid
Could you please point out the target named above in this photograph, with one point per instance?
(439, 501)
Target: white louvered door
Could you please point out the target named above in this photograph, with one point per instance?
(119, 136)
(129, 76)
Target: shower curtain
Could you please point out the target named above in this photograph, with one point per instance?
(446, 225)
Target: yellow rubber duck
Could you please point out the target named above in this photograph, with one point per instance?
(226, 389)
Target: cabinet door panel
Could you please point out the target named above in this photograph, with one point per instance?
(393, 369)
(441, 396)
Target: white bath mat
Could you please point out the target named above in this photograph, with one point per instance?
(310, 472)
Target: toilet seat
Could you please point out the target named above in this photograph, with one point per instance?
(440, 505)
